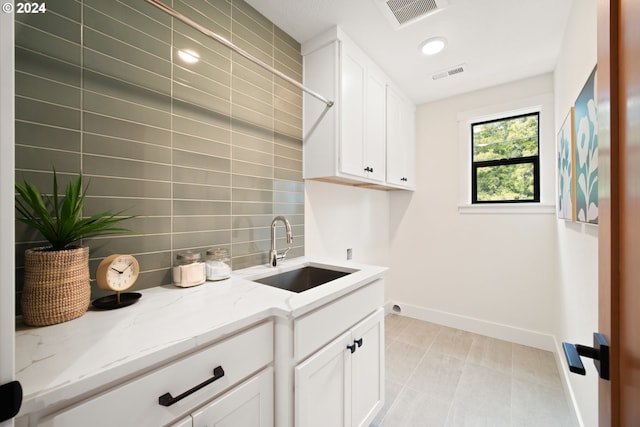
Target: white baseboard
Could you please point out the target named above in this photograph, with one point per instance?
(478, 326)
(568, 390)
(495, 330)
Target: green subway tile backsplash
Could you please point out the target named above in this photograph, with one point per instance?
(47, 90)
(37, 64)
(37, 40)
(37, 135)
(204, 154)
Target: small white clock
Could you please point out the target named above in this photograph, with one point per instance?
(117, 272)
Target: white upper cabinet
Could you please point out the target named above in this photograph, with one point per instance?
(400, 140)
(346, 143)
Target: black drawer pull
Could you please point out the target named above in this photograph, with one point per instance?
(352, 348)
(167, 400)
(359, 342)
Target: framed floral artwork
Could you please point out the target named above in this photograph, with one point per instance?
(586, 153)
(566, 169)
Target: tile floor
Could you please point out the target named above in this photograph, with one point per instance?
(438, 376)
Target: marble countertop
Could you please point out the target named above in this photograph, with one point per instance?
(62, 363)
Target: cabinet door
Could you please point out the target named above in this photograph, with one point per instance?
(400, 141)
(249, 404)
(375, 125)
(367, 369)
(352, 111)
(187, 422)
(323, 386)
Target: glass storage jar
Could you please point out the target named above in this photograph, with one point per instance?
(188, 270)
(215, 264)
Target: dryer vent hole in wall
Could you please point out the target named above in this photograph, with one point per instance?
(396, 308)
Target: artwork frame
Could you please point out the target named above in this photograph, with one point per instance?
(586, 152)
(566, 171)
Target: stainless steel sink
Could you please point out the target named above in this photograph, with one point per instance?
(302, 279)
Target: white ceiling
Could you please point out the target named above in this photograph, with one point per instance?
(498, 40)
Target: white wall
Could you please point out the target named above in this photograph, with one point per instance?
(577, 243)
(496, 269)
(338, 217)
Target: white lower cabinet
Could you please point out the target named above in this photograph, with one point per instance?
(248, 405)
(342, 384)
(181, 387)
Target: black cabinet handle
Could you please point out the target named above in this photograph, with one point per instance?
(368, 169)
(356, 345)
(403, 179)
(168, 400)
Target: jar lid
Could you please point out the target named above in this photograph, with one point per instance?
(217, 254)
(188, 256)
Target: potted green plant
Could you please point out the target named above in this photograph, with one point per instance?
(56, 282)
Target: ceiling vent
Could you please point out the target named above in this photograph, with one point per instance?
(450, 72)
(404, 12)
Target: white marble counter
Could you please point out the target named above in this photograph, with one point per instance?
(62, 363)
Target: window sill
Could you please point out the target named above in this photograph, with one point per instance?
(507, 208)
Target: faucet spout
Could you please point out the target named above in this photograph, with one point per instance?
(274, 256)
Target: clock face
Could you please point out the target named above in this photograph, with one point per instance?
(117, 272)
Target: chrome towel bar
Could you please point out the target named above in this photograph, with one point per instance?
(236, 49)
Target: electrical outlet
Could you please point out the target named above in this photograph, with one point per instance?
(349, 253)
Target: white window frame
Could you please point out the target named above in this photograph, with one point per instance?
(542, 104)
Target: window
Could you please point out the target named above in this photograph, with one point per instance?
(505, 166)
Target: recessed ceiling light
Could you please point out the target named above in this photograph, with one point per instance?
(188, 56)
(433, 45)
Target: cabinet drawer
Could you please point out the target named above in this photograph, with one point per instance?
(136, 403)
(319, 327)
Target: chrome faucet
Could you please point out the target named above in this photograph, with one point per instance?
(274, 256)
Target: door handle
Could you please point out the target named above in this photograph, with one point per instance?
(599, 353)
(11, 398)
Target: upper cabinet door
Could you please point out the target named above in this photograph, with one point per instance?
(400, 140)
(375, 134)
(352, 105)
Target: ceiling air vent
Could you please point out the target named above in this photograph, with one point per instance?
(404, 12)
(450, 72)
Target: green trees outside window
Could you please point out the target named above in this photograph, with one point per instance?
(505, 160)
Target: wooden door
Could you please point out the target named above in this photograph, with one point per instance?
(619, 228)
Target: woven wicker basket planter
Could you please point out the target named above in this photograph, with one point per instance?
(56, 285)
